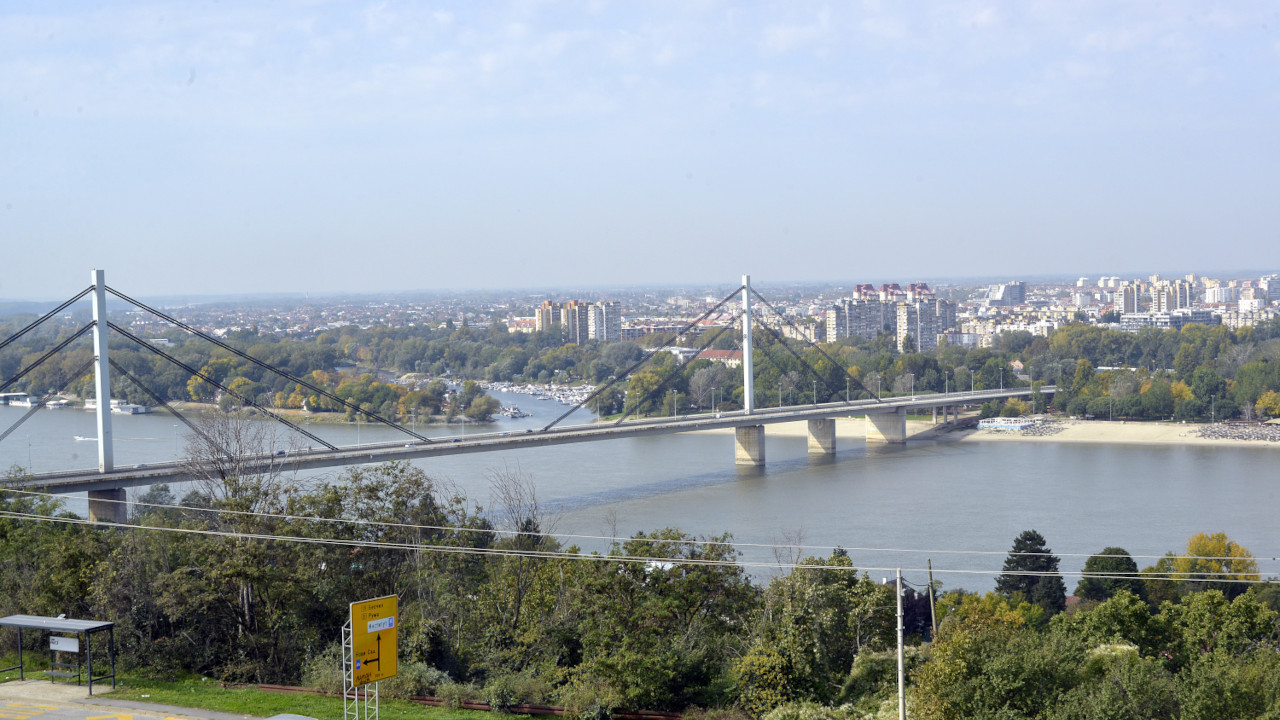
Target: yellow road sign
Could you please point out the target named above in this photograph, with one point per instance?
(373, 639)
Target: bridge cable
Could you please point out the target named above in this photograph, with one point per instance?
(219, 385)
(815, 345)
(40, 405)
(44, 317)
(21, 373)
(288, 376)
(804, 363)
(675, 371)
(172, 410)
(647, 358)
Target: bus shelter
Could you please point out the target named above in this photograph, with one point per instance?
(85, 628)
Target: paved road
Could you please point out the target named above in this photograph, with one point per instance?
(43, 700)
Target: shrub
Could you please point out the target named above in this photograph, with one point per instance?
(323, 671)
(414, 679)
(589, 700)
(814, 711)
(503, 691)
(454, 694)
(763, 680)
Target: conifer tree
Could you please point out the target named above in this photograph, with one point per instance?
(1029, 555)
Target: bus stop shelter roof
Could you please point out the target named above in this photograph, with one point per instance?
(35, 622)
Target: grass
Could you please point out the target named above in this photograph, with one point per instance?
(195, 692)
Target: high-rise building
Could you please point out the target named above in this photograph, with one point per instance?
(605, 322)
(1127, 299)
(861, 318)
(575, 318)
(1007, 295)
(546, 315)
(923, 321)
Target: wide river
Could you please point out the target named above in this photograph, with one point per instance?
(959, 504)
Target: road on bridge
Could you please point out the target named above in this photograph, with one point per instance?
(310, 458)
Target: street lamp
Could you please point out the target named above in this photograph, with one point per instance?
(846, 388)
(946, 382)
(1213, 408)
(815, 392)
(913, 385)
(1110, 403)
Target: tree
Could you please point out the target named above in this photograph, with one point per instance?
(1118, 571)
(1157, 401)
(1214, 561)
(1269, 404)
(1032, 571)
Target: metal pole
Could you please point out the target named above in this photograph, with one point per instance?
(748, 387)
(902, 671)
(933, 613)
(102, 372)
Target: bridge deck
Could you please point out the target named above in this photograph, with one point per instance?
(150, 474)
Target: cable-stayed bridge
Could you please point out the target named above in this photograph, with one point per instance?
(886, 418)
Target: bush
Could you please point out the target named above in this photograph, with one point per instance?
(323, 671)
(415, 679)
(589, 700)
(503, 691)
(763, 681)
(454, 694)
(814, 711)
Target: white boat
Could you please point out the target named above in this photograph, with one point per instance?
(129, 409)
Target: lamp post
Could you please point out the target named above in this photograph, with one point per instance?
(815, 392)
(946, 382)
(913, 385)
(1213, 408)
(1110, 404)
(846, 388)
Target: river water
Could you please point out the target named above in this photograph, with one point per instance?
(958, 504)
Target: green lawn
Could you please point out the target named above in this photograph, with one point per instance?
(209, 695)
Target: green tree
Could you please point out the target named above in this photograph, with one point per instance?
(1031, 572)
(1107, 572)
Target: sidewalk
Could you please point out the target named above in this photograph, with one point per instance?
(77, 696)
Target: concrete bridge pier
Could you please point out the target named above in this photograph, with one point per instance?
(888, 427)
(749, 445)
(822, 436)
(108, 506)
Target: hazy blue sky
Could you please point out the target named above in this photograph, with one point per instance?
(319, 146)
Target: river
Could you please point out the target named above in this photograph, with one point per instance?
(957, 503)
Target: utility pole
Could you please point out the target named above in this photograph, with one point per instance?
(902, 666)
(933, 614)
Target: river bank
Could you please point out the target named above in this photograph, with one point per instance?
(1066, 431)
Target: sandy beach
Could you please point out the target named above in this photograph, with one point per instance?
(1072, 431)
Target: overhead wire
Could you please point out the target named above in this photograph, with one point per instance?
(619, 539)
(565, 555)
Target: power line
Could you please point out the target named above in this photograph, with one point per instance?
(563, 555)
(617, 539)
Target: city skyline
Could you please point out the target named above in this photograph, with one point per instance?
(235, 148)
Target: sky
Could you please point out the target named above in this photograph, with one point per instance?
(311, 146)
